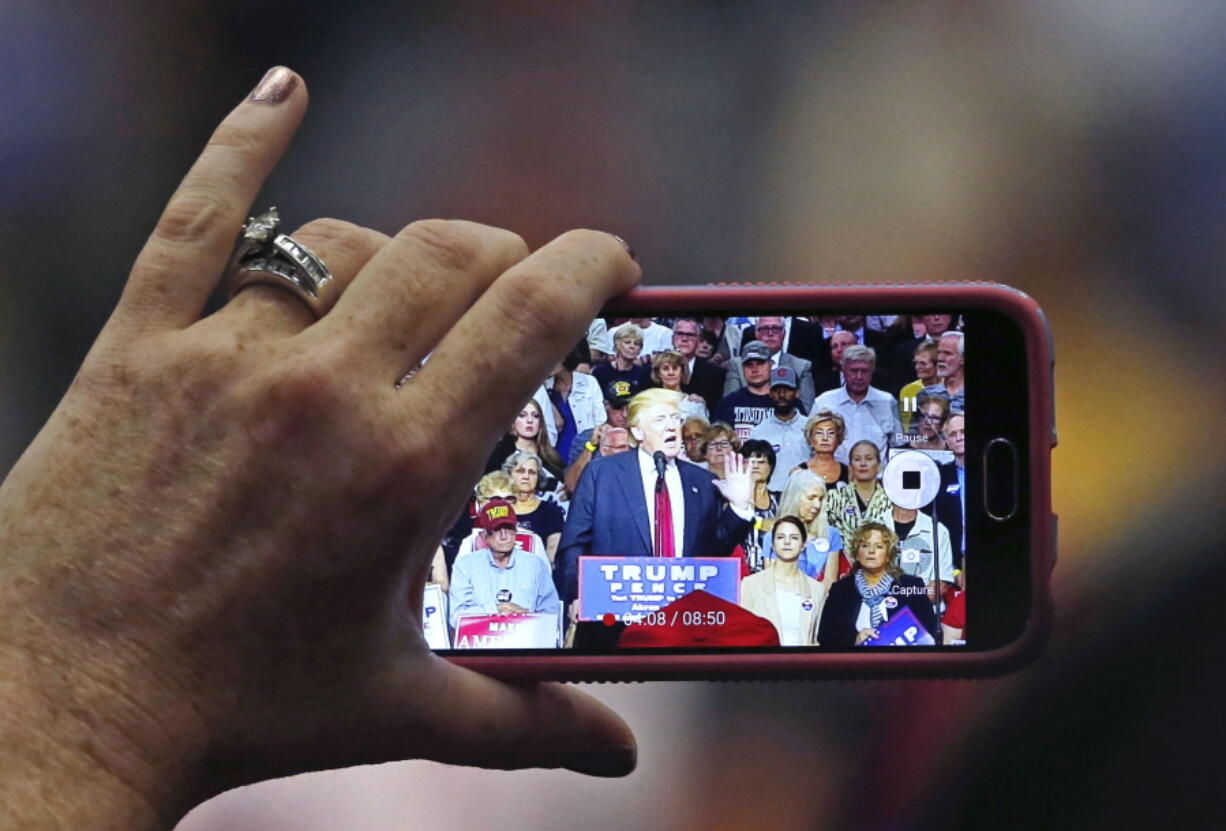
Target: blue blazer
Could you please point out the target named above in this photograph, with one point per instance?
(608, 517)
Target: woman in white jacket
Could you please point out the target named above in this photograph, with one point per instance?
(781, 592)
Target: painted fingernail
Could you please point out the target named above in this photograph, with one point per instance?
(604, 761)
(275, 86)
(626, 246)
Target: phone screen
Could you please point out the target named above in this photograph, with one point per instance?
(710, 482)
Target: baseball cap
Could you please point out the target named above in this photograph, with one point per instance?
(619, 392)
(495, 514)
(783, 376)
(755, 350)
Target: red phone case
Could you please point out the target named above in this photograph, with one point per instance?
(745, 297)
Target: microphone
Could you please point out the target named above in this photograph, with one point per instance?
(661, 463)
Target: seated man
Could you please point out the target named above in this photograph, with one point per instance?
(651, 503)
(501, 579)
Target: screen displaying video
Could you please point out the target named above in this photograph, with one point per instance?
(745, 482)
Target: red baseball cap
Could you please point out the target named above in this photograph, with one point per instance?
(495, 514)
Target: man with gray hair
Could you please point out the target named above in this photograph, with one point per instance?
(868, 412)
(951, 366)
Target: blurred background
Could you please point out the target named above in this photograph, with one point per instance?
(1071, 148)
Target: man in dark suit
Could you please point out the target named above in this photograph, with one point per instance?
(706, 379)
(650, 503)
(804, 340)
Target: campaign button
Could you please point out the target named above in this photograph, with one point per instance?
(910, 556)
(891, 602)
(822, 545)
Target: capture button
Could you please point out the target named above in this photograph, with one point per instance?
(1000, 470)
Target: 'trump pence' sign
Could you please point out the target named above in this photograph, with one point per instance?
(630, 587)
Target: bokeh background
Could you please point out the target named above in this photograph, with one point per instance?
(1072, 148)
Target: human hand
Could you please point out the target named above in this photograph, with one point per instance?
(865, 635)
(214, 553)
(737, 485)
(511, 609)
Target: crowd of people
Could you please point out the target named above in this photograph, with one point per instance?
(761, 439)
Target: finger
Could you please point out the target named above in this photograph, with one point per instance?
(533, 313)
(409, 294)
(183, 259)
(342, 246)
(476, 720)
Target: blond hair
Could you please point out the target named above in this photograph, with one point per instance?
(651, 398)
(493, 482)
(821, 417)
(798, 484)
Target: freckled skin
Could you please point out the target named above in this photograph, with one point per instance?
(213, 555)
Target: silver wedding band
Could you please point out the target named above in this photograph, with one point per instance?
(263, 255)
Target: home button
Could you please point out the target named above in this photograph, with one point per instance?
(1000, 477)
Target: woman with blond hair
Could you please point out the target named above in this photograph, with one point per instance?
(824, 432)
(877, 589)
(805, 497)
(671, 371)
(626, 364)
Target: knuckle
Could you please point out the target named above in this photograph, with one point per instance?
(509, 243)
(336, 236)
(244, 142)
(534, 301)
(193, 215)
(450, 245)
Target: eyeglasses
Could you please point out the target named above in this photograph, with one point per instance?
(719, 444)
(769, 329)
(685, 335)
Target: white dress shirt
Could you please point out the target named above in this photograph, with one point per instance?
(676, 497)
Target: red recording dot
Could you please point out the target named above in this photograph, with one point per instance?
(609, 619)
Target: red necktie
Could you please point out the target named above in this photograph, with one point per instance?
(665, 546)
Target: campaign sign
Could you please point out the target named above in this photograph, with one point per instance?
(534, 631)
(902, 629)
(434, 617)
(631, 587)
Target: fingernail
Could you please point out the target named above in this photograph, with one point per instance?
(604, 761)
(275, 86)
(626, 246)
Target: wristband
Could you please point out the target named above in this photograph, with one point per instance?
(589, 447)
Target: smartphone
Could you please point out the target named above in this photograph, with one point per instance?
(768, 481)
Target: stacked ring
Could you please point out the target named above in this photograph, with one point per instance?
(263, 255)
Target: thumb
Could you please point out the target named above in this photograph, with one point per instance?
(446, 713)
